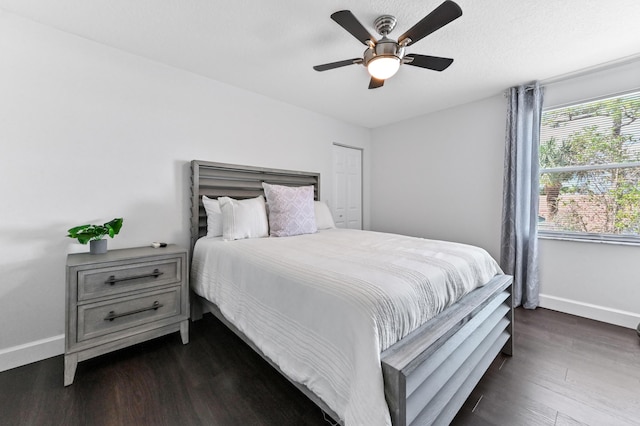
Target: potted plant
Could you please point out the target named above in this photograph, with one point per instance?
(94, 234)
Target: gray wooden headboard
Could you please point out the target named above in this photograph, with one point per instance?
(230, 180)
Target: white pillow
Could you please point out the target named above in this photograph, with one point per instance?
(291, 210)
(214, 216)
(243, 218)
(324, 218)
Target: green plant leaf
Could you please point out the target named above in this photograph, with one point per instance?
(84, 239)
(73, 232)
(114, 226)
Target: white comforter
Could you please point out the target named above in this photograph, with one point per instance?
(323, 306)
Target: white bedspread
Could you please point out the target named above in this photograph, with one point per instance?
(323, 306)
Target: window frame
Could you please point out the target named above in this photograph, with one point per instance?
(623, 239)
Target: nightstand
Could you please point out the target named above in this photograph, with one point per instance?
(121, 298)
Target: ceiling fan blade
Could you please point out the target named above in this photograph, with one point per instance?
(430, 62)
(332, 65)
(375, 83)
(349, 22)
(441, 16)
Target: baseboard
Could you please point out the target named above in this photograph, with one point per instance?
(17, 356)
(587, 310)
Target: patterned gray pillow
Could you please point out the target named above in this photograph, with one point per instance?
(291, 210)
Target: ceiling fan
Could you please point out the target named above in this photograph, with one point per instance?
(384, 57)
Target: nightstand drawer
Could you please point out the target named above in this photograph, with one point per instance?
(97, 319)
(98, 282)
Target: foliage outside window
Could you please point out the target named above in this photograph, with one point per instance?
(590, 170)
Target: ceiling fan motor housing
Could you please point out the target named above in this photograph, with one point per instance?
(384, 48)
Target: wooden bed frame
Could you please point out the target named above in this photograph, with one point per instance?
(429, 374)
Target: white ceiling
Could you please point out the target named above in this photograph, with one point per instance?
(269, 47)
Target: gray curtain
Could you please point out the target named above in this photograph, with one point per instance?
(519, 249)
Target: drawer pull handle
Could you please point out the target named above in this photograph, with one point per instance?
(112, 315)
(112, 279)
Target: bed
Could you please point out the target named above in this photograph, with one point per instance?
(424, 374)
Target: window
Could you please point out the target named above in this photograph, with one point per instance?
(590, 170)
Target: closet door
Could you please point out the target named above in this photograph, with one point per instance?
(347, 187)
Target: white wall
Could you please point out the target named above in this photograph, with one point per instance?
(440, 176)
(89, 133)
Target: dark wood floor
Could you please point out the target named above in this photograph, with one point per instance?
(566, 371)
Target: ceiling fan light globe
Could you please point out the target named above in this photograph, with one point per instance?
(383, 67)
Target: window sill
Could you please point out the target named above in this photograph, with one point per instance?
(589, 239)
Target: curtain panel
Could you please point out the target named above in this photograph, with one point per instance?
(519, 241)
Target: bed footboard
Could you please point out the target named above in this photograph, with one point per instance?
(429, 374)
